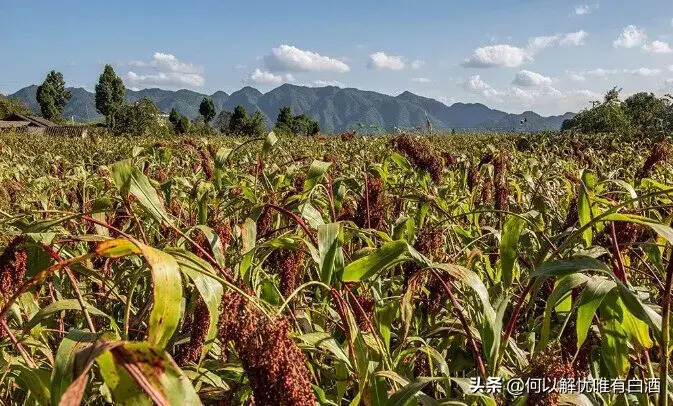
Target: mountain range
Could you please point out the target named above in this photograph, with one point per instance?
(336, 109)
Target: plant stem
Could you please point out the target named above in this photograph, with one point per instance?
(297, 220)
(26, 357)
(618, 255)
(665, 333)
(73, 283)
(463, 321)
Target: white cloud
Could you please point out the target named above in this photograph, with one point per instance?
(165, 70)
(537, 43)
(287, 58)
(582, 9)
(578, 38)
(380, 60)
(601, 73)
(417, 64)
(497, 55)
(328, 83)
(577, 77)
(630, 37)
(420, 80)
(512, 56)
(260, 77)
(573, 38)
(169, 79)
(658, 47)
(646, 72)
(527, 78)
(167, 62)
(476, 85)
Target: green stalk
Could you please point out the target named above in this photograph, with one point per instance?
(665, 333)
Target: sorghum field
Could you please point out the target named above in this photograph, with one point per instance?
(349, 270)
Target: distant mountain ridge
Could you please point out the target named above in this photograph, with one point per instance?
(337, 109)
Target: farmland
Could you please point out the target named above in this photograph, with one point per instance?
(382, 270)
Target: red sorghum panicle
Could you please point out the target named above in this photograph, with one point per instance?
(211, 151)
(420, 156)
(472, 177)
(200, 239)
(500, 181)
(421, 364)
(191, 141)
(347, 211)
(348, 136)
(13, 262)
(364, 313)
(550, 367)
(375, 214)
(627, 233)
(568, 341)
(207, 165)
(264, 221)
(198, 329)
(661, 151)
(287, 264)
(223, 230)
(429, 242)
(434, 300)
(572, 215)
(298, 182)
(274, 364)
(487, 192)
(450, 160)
(486, 159)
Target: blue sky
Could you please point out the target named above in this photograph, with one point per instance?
(543, 55)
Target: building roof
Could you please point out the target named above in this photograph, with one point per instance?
(13, 124)
(36, 121)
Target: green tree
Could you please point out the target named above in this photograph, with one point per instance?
(238, 120)
(285, 119)
(647, 112)
(305, 125)
(300, 124)
(52, 95)
(109, 93)
(10, 106)
(222, 121)
(139, 118)
(174, 117)
(182, 125)
(607, 117)
(255, 125)
(207, 109)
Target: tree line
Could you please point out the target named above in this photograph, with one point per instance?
(143, 117)
(642, 112)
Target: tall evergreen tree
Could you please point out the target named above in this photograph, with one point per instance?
(174, 116)
(238, 120)
(52, 95)
(285, 119)
(109, 93)
(207, 109)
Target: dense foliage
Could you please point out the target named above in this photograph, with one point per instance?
(109, 93)
(10, 106)
(52, 96)
(207, 109)
(299, 125)
(343, 270)
(642, 112)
